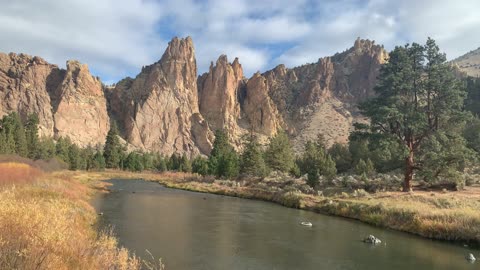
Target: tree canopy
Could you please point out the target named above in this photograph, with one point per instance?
(418, 98)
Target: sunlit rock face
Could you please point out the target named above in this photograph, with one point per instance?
(158, 110)
(68, 102)
(168, 108)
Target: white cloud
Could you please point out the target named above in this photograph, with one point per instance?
(111, 37)
(117, 37)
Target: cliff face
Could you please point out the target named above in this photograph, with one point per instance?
(68, 102)
(80, 107)
(168, 109)
(218, 95)
(158, 110)
(305, 101)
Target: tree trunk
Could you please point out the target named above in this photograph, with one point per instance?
(409, 164)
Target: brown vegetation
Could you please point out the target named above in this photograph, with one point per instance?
(46, 222)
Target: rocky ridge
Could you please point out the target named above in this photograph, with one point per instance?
(168, 108)
(68, 102)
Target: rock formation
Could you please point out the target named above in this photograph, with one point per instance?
(24, 88)
(168, 109)
(305, 101)
(80, 107)
(158, 110)
(68, 102)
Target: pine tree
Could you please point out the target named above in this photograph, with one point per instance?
(418, 97)
(31, 132)
(74, 158)
(98, 162)
(20, 138)
(133, 162)
(316, 162)
(161, 164)
(279, 154)
(252, 162)
(8, 133)
(200, 165)
(223, 160)
(113, 150)
(46, 148)
(341, 156)
(174, 162)
(364, 167)
(185, 164)
(62, 149)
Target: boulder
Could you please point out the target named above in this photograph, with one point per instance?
(372, 240)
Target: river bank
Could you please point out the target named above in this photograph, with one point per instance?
(442, 215)
(47, 222)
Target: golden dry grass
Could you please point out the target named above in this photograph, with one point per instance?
(12, 173)
(47, 223)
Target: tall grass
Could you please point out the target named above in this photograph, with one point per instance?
(46, 222)
(12, 173)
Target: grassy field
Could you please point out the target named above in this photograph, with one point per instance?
(442, 215)
(46, 222)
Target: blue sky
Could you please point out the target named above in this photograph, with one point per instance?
(117, 37)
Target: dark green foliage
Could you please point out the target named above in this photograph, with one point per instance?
(472, 134)
(161, 163)
(445, 154)
(252, 162)
(31, 133)
(472, 103)
(46, 148)
(98, 162)
(148, 161)
(200, 165)
(113, 150)
(295, 171)
(316, 162)
(385, 152)
(341, 156)
(418, 96)
(174, 163)
(74, 157)
(279, 154)
(223, 160)
(185, 164)
(12, 136)
(364, 167)
(133, 162)
(62, 149)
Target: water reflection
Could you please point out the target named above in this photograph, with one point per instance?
(202, 231)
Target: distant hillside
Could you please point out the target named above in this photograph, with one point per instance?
(469, 63)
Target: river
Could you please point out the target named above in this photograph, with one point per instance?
(191, 230)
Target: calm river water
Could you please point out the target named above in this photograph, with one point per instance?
(191, 230)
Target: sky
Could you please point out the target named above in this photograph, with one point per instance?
(117, 37)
